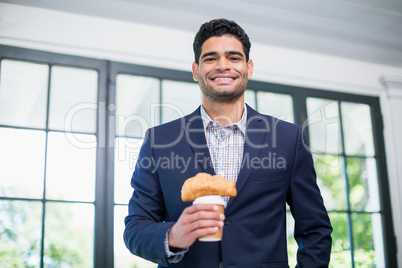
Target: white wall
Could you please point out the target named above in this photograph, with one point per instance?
(155, 46)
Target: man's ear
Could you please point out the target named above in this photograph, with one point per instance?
(250, 66)
(195, 71)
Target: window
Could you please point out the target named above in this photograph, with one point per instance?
(70, 140)
(48, 159)
(342, 143)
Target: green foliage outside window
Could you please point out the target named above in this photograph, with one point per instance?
(332, 181)
(66, 243)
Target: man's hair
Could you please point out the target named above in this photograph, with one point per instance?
(220, 27)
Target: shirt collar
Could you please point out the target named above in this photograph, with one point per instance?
(241, 124)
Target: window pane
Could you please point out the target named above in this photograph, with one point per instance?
(376, 221)
(22, 162)
(126, 155)
(292, 245)
(70, 173)
(323, 126)
(137, 99)
(20, 232)
(23, 93)
(357, 128)
(278, 105)
(331, 181)
(340, 252)
(122, 256)
(249, 98)
(366, 253)
(363, 185)
(69, 235)
(73, 99)
(179, 99)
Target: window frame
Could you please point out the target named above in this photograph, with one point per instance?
(101, 227)
(390, 251)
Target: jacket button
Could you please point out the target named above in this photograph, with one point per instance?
(220, 265)
(226, 221)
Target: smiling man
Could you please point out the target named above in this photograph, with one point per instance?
(222, 70)
(226, 137)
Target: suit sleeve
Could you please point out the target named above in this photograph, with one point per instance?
(312, 225)
(145, 228)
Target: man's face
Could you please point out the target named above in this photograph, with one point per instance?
(222, 72)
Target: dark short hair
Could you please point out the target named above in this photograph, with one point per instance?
(220, 27)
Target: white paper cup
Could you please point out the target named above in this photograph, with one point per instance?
(220, 202)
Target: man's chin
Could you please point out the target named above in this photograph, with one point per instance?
(226, 98)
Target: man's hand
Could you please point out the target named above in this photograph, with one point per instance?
(195, 221)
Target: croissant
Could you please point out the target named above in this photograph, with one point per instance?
(204, 184)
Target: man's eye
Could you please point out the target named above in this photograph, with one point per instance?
(235, 58)
(209, 59)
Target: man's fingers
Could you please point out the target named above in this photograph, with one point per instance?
(196, 221)
(195, 213)
(201, 207)
(200, 224)
(204, 231)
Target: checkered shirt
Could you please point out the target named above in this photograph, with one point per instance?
(226, 145)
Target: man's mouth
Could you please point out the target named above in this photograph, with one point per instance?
(223, 79)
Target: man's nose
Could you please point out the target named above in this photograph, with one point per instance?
(223, 64)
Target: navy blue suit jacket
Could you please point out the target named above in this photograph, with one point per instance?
(277, 168)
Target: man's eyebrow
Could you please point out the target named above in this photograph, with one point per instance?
(213, 53)
(234, 53)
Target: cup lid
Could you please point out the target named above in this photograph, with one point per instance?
(210, 199)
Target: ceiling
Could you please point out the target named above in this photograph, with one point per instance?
(366, 30)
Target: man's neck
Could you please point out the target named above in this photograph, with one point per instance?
(224, 113)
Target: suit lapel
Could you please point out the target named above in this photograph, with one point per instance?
(195, 136)
(256, 129)
(255, 132)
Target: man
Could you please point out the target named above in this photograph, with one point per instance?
(266, 157)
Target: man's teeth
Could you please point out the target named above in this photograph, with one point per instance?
(223, 79)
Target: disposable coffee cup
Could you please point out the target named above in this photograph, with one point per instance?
(218, 201)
